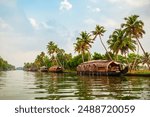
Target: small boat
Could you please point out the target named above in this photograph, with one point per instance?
(56, 69)
(101, 67)
(43, 69)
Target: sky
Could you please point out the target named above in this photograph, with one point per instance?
(26, 26)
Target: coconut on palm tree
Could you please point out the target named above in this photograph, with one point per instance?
(99, 31)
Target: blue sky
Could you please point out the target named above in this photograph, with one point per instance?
(26, 26)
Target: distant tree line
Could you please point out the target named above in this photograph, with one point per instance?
(4, 65)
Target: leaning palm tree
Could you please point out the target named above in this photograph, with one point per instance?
(99, 31)
(134, 28)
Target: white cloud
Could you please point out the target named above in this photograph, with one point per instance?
(34, 23)
(65, 5)
(137, 3)
(132, 3)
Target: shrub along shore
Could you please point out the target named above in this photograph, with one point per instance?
(5, 66)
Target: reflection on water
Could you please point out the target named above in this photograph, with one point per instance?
(35, 85)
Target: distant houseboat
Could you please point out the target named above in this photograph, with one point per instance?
(101, 67)
(43, 69)
(31, 69)
(56, 69)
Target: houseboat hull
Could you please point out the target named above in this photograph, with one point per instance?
(43, 69)
(101, 68)
(100, 73)
(56, 69)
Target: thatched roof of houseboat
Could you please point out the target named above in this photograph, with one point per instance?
(55, 68)
(97, 63)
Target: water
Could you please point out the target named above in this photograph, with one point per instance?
(20, 85)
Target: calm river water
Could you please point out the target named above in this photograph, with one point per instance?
(21, 85)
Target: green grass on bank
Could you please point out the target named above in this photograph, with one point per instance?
(140, 72)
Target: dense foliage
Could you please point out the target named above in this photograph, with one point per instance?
(4, 65)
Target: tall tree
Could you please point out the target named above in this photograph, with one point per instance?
(83, 44)
(99, 31)
(52, 49)
(134, 28)
(119, 42)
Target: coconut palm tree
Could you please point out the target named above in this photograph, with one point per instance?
(52, 51)
(51, 47)
(119, 42)
(80, 48)
(99, 31)
(134, 28)
(83, 44)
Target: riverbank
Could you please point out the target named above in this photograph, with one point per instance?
(143, 73)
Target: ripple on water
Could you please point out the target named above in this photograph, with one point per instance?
(34, 85)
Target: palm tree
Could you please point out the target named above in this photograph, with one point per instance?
(134, 28)
(80, 48)
(119, 42)
(52, 51)
(83, 44)
(99, 31)
(146, 59)
(51, 47)
(39, 61)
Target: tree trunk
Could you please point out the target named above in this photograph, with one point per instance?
(89, 55)
(105, 47)
(141, 46)
(133, 67)
(58, 62)
(82, 57)
(142, 49)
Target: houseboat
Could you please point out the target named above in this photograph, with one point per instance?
(101, 67)
(43, 69)
(56, 69)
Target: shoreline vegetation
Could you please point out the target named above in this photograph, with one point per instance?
(5, 66)
(123, 47)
